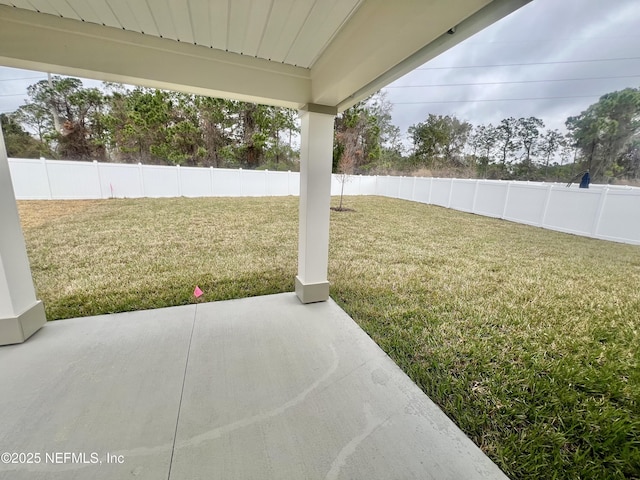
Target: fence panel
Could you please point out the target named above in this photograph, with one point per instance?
(393, 187)
(441, 191)
(422, 189)
(30, 179)
(526, 203)
(620, 217)
(253, 183)
(406, 188)
(278, 184)
(120, 180)
(572, 210)
(367, 184)
(195, 182)
(462, 195)
(160, 181)
(70, 180)
(351, 184)
(381, 186)
(294, 183)
(490, 198)
(226, 183)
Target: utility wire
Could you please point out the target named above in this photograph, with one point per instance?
(534, 63)
(552, 39)
(497, 100)
(511, 82)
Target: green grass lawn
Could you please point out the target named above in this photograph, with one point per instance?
(528, 339)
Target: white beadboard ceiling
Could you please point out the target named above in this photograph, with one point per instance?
(294, 32)
(279, 52)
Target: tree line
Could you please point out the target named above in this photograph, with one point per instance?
(514, 148)
(604, 139)
(63, 119)
(151, 126)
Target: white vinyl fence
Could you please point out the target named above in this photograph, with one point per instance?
(605, 212)
(71, 180)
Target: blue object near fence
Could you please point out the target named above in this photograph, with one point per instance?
(586, 179)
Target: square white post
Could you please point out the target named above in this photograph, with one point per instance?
(316, 159)
(21, 315)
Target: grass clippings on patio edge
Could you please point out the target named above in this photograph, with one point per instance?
(528, 339)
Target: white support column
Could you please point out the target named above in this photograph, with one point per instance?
(316, 154)
(21, 315)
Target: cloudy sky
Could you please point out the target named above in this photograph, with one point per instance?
(550, 59)
(542, 52)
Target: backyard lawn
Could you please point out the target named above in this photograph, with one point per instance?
(528, 339)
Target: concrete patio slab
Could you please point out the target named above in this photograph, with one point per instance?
(257, 388)
(108, 384)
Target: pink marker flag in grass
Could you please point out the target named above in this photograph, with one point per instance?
(197, 292)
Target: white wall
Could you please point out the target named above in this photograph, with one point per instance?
(606, 212)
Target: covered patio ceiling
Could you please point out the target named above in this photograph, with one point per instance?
(280, 52)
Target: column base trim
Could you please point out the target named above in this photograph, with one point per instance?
(18, 329)
(312, 292)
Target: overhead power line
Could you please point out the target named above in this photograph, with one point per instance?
(554, 39)
(511, 82)
(12, 94)
(497, 100)
(533, 63)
